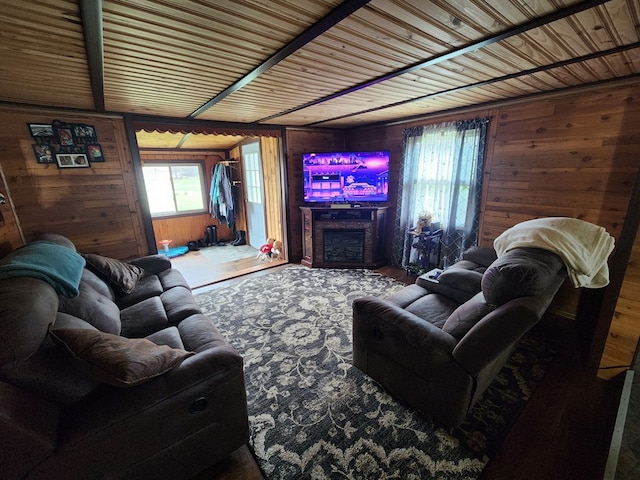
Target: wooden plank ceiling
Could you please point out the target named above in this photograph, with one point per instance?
(307, 62)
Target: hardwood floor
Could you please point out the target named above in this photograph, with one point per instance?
(563, 433)
(200, 271)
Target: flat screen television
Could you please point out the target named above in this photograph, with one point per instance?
(346, 176)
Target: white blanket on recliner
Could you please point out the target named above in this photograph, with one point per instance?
(583, 246)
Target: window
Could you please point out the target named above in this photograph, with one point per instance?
(175, 188)
(441, 177)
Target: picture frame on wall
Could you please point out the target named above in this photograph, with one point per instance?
(43, 153)
(72, 160)
(84, 133)
(95, 153)
(39, 130)
(65, 136)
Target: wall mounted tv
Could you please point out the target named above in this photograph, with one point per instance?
(346, 176)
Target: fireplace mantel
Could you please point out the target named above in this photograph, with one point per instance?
(343, 237)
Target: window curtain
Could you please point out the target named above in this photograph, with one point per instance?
(441, 176)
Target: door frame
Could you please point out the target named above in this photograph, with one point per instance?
(150, 123)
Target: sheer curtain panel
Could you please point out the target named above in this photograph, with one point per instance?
(441, 176)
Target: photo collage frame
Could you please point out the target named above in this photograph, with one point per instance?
(68, 145)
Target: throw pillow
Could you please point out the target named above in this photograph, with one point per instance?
(118, 361)
(123, 275)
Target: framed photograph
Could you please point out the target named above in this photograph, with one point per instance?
(43, 153)
(95, 153)
(72, 160)
(65, 136)
(84, 133)
(41, 130)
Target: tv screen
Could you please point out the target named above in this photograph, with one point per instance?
(346, 176)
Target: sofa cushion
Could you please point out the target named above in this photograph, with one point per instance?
(407, 295)
(148, 286)
(518, 273)
(179, 304)
(433, 308)
(169, 336)
(143, 318)
(123, 275)
(93, 308)
(466, 316)
(117, 360)
(98, 284)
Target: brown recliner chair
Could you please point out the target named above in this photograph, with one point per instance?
(438, 348)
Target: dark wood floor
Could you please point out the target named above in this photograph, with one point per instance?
(563, 433)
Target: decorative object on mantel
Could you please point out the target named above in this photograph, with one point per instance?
(68, 145)
(313, 415)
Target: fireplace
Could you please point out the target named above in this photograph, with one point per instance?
(343, 237)
(343, 245)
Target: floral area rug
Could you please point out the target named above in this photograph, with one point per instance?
(314, 415)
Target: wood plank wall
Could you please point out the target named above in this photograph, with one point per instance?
(574, 154)
(299, 141)
(184, 229)
(97, 208)
(624, 333)
(272, 175)
(10, 234)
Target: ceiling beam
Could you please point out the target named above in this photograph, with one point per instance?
(335, 16)
(451, 54)
(483, 83)
(91, 13)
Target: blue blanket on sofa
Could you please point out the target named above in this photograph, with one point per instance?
(61, 267)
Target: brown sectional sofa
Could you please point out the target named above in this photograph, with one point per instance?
(126, 379)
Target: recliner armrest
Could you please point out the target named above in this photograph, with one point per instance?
(387, 328)
(458, 284)
(495, 335)
(204, 396)
(29, 429)
(153, 264)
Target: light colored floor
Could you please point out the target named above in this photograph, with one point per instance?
(228, 253)
(208, 266)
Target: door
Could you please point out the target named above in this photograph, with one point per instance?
(254, 195)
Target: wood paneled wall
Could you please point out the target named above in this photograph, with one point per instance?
(574, 155)
(97, 208)
(10, 234)
(272, 176)
(298, 141)
(183, 229)
(624, 333)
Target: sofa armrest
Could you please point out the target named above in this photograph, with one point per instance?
(201, 402)
(483, 256)
(494, 337)
(458, 284)
(153, 264)
(389, 329)
(28, 428)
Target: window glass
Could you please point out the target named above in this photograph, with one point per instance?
(174, 188)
